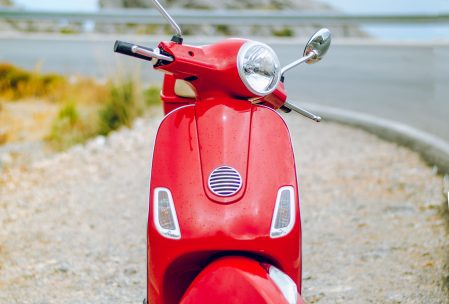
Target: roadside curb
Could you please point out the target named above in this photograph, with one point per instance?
(433, 149)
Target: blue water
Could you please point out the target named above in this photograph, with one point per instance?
(398, 32)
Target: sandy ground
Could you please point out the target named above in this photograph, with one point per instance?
(72, 227)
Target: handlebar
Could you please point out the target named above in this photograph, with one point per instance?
(140, 52)
(125, 48)
(154, 55)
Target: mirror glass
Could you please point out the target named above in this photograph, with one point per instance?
(318, 44)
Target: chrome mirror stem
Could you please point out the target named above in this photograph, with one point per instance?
(302, 112)
(297, 62)
(167, 17)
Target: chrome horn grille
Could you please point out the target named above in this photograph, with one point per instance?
(225, 181)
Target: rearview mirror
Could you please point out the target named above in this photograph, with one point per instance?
(316, 48)
(318, 44)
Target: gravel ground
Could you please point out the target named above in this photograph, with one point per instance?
(73, 225)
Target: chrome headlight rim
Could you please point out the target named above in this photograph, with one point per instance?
(240, 61)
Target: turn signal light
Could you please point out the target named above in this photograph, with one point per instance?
(284, 212)
(165, 218)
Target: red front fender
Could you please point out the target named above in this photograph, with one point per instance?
(234, 280)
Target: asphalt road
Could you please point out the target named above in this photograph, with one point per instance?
(403, 82)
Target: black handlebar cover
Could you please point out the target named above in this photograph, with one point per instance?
(125, 49)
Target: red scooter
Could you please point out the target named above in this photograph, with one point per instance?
(224, 220)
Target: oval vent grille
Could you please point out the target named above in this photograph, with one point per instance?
(225, 181)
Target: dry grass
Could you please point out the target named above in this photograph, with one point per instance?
(18, 84)
(35, 106)
(26, 120)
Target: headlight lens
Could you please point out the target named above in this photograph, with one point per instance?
(258, 67)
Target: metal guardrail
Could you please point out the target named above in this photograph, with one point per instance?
(224, 17)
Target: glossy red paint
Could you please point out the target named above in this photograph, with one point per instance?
(212, 72)
(277, 98)
(223, 137)
(211, 69)
(191, 142)
(233, 279)
(219, 127)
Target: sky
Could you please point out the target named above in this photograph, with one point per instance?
(390, 6)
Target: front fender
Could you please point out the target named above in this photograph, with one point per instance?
(234, 280)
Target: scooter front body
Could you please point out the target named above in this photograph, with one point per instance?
(224, 218)
(192, 145)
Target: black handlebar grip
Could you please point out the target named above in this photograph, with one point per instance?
(125, 49)
(285, 109)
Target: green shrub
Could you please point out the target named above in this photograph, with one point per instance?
(88, 108)
(69, 113)
(71, 127)
(68, 31)
(152, 97)
(223, 29)
(123, 105)
(75, 122)
(283, 32)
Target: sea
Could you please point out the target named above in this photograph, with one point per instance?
(409, 32)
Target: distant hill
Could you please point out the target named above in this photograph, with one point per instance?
(297, 5)
(309, 5)
(203, 30)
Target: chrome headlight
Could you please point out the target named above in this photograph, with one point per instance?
(258, 67)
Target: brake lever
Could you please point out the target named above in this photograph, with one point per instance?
(302, 111)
